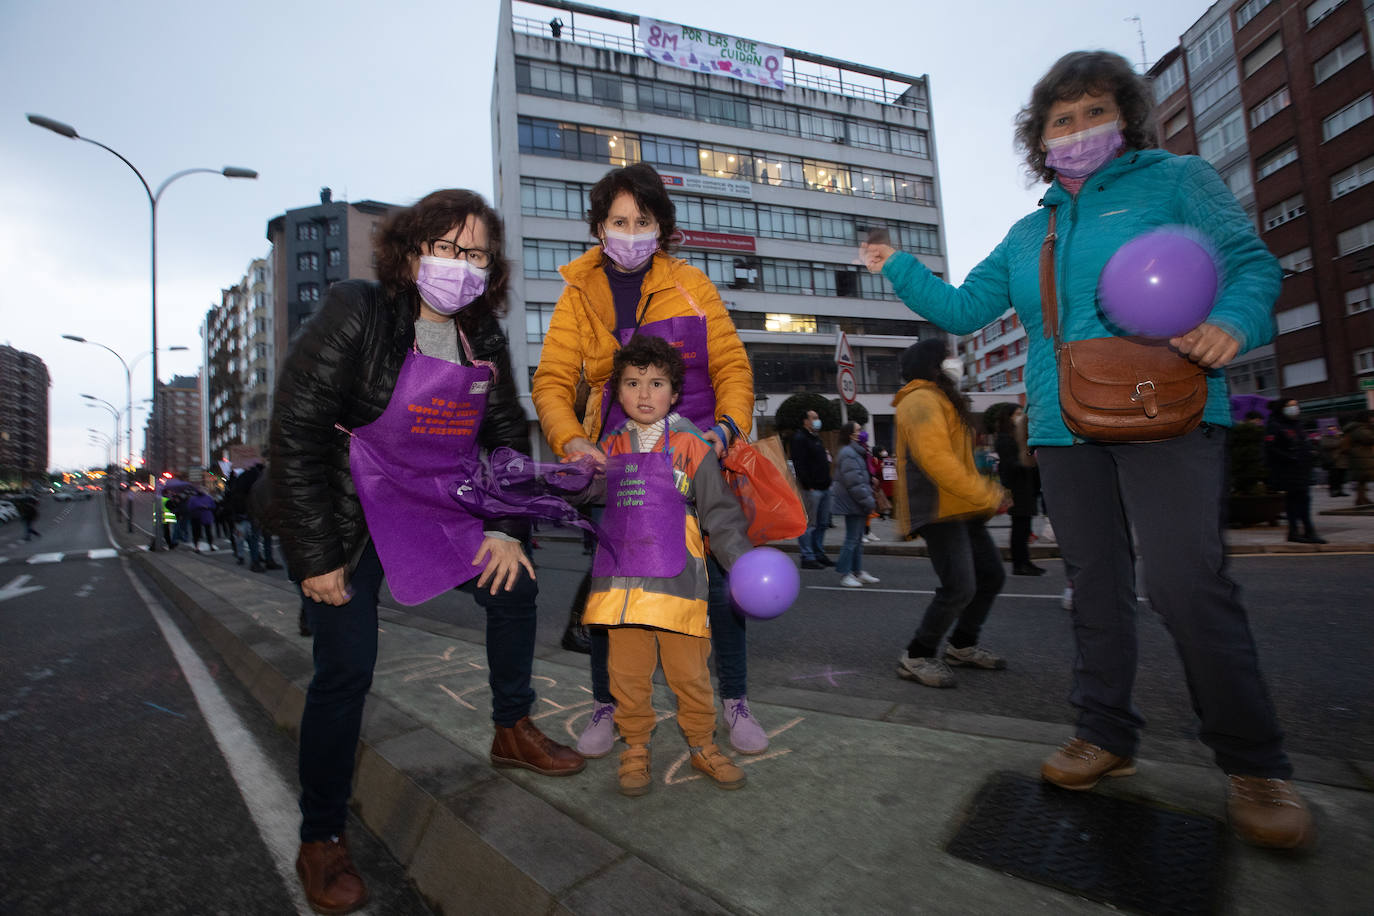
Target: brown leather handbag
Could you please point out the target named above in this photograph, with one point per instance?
(1119, 389)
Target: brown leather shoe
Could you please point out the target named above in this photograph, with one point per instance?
(635, 775)
(1079, 764)
(1268, 812)
(720, 768)
(331, 881)
(523, 745)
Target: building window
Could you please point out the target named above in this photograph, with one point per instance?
(1271, 48)
(542, 258)
(1361, 236)
(308, 261)
(1304, 316)
(1212, 42)
(1333, 61)
(308, 292)
(1238, 180)
(1358, 299)
(334, 227)
(1271, 163)
(1247, 11)
(1269, 107)
(1318, 11)
(1217, 142)
(1362, 109)
(1307, 372)
(1296, 261)
(1168, 81)
(335, 257)
(1364, 361)
(1214, 90)
(1281, 213)
(307, 231)
(789, 324)
(1176, 123)
(537, 318)
(1357, 176)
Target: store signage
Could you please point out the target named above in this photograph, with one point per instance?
(706, 184)
(716, 241)
(709, 52)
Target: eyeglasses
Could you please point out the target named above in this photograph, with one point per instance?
(443, 248)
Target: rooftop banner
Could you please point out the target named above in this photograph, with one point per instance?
(709, 52)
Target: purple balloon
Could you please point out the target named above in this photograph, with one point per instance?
(1161, 284)
(764, 582)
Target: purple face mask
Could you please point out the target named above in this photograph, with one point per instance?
(863, 435)
(1080, 154)
(449, 285)
(629, 252)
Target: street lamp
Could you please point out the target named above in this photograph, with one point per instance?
(128, 404)
(66, 130)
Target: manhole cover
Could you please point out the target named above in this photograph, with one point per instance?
(1119, 852)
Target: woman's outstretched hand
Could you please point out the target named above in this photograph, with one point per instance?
(874, 255)
(1207, 345)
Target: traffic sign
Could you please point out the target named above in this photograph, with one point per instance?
(843, 355)
(849, 389)
(1366, 384)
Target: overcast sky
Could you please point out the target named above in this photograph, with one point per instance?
(388, 102)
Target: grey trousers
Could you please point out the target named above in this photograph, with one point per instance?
(1170, 492)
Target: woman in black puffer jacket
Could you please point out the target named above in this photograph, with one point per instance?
(428, 334)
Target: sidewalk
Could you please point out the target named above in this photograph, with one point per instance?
(850, 811)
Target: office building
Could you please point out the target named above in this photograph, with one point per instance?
(173, 435)
(776, 181)
(24, 386)
(1280, 98)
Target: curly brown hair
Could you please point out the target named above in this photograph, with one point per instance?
(1074, 74)
(400, 238)
(645, 350)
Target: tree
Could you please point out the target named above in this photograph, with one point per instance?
(792, 413)
(857, 412)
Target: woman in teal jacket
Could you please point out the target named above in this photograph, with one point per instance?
(1086, 131)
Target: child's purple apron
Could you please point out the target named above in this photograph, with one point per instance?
(403, 465)
(642, 530)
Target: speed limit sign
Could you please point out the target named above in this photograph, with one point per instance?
(849, 390)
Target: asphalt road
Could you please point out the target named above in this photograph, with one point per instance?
(1309, 613)
(117, 795)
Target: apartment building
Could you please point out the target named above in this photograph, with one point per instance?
(172, 438)
(24, 384)
(775, 182)
(1280, 98)
(240, 370)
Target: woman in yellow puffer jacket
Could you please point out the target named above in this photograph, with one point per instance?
(629, 284)
(942, 497)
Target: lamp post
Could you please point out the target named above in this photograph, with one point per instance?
(128, 406)
(229, 171)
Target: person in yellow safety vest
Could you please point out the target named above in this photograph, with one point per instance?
(169, 520)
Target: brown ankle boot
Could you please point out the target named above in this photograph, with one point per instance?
(331, 881)
(523, 745)
(1268, 812)
(719, 767)
(635, 775)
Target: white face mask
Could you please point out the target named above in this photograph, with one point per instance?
(953, 367)
(1291, 411)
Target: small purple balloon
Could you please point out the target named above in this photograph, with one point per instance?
(764, 582)
(1161, 284)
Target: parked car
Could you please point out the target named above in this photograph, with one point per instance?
(7, 511)
(63, 496)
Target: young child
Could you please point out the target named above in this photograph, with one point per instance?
(664, 492)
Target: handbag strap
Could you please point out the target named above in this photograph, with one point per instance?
(1049, 295)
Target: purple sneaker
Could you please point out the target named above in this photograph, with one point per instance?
(746, 734)
(599, 736)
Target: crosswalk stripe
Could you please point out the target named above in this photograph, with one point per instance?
(46, 558)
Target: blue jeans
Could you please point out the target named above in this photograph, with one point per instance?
(729, 646)
(812, 541)
(851, 558)
(345, 650)
(247, 535)
(1169, 493)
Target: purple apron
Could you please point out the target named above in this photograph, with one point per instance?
(687, 334)
(641, 531)
(403, 465)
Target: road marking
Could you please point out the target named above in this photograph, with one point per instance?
(16, 587)
(271, 804)
(46, 558)
(104, 553)
(915, 591)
